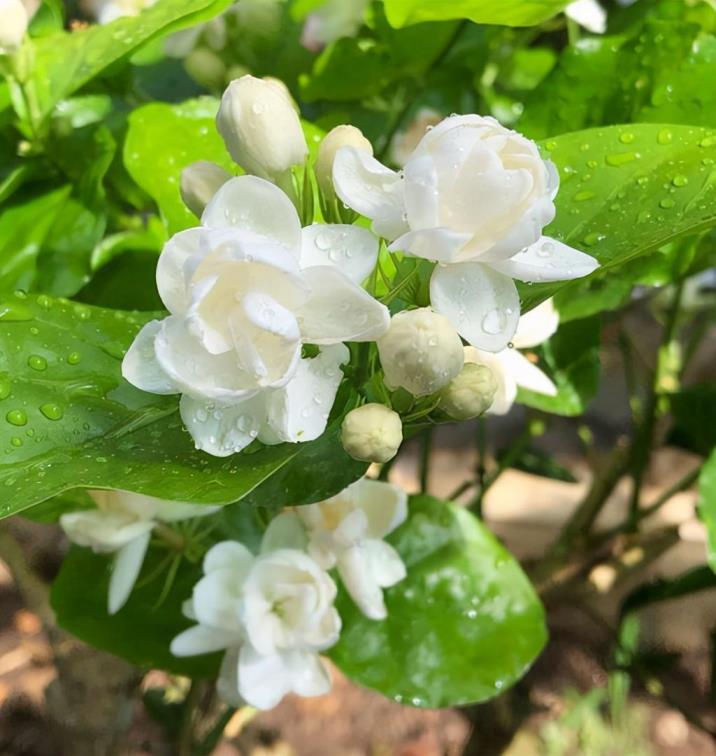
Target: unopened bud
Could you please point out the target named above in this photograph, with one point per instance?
(200, 181)
(372, 433)
(470, 394)
(13, 25)
(420, 352)
(340, 136)
(260, 128)
(206, 68)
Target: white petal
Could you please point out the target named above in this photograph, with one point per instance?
(254, 204)
(481, 303)
(174, 511)
(358, 578)
(536, 326)
(440, 244)
(230, 555)
(527, 375)
(216, 599)
(589, 14)
(140, 366)
(385, 505)
(263, 680)
(125, 570)
(299, 411)
(222, 430)
(197, 372)
(547, 260)
(284, 532)
(385, 563)
(227, 684)
(506, 385)
(370, 189)
(338, 310)
(172, 278)
(202, 640)
(309, 675)
(103, 531)
(352, 249)
(421, 193)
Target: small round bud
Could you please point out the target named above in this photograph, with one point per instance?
(260, 128)
(206, 68)
(340, 136)
(420, 352)
(200, 181)
(470, 394)
(13, 25)
(372, 433)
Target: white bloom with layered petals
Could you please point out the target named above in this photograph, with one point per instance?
(14, 19)
(510, 368)
(122, 524)
(474, 197)
(589, 14)
(273, 614)
(420, 352)
(260, 127)
(244, 292)
(347, 531)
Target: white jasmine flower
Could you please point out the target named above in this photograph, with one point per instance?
(470, 394)
(122, 524)
(244, 292)
(420, 351)
(510, 368)
(331, 21)
(273, 614)
(372, 433)
(589, 14)
(346, 532)
(14, 20)
(200, 181)
(474, 196)
(340, 136)
(260, 128)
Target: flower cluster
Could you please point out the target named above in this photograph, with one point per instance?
(273, 613)
(261, 309)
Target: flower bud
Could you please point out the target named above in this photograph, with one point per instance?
(13, 25)
(200, 181)
(420, 352)
(372, 433)
(206, 68)
(260, 128)
(470, 394)
(340, 136)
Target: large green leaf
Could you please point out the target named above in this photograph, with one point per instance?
(143, 629)
(68, 419)
(628, 190)
(161, 141)
(694, 412)
(506, 12)
(571, 357)
(464, 625)
(65, 61)
(707, 505)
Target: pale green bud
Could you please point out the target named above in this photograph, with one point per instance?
(420, 352)
(340, 136)
(470, 394)
(200, 181)
(372, 433)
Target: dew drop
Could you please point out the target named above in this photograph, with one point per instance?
(667, 203)
(73, 358)
(494, 322)
(16, 417)
(679, 180)
(37, 362)
(52, 411)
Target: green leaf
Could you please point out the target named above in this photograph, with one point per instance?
(464, 625)
(628, 190)
(694, 412)
(707, 505)
(142, 630)
(505, 12)
(68, 419)
(161, 141)
(65, 61)
(571, 359)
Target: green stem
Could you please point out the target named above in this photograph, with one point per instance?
(641, 448)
